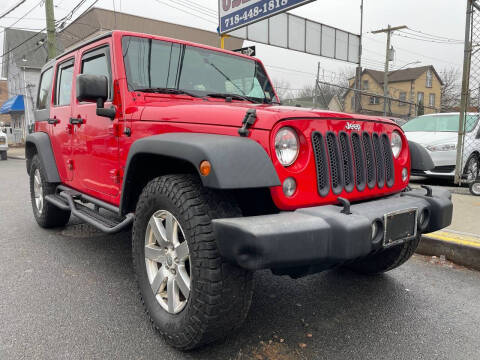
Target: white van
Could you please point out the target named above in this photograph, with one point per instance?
(3, 145)
(438, 134)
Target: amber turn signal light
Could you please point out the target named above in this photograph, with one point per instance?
(205, 168)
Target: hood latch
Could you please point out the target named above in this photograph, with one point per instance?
(248, 121)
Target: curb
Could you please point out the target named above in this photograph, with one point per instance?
(15, 157)
(462, 249)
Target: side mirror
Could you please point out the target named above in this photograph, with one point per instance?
(95, 88)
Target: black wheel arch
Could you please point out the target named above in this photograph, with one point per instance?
(39, 143)
(237, 163)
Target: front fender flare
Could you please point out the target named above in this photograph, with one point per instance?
(420, 159)
(237, 162)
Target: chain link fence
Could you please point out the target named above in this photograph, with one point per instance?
(401, 105)
(468, 143)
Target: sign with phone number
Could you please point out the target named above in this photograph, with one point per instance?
(234, 14)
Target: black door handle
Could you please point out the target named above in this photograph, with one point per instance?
(53, 121)
(76, 121)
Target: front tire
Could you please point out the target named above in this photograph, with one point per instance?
(192, 295)
(46, 214)
(3, 155)
(385, 260)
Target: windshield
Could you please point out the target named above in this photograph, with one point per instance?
(440, 123)
(155, 64)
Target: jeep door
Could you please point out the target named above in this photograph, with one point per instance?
(60, 113)
(95, 145)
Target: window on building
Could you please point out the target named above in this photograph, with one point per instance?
(374, 100)
(402, 97)
(44, 89)
(429, 78)
(431, 100)
(420, 97)
(97, 63)
(365, 85)
(64, 84)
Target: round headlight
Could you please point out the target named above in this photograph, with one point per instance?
(396, 143)
(286, 146)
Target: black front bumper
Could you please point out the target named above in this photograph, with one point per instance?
(323, 234)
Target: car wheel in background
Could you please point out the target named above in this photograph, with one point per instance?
(475, 188)
(472, 168)
(3, 155)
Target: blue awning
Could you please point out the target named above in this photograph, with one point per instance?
(13, 104)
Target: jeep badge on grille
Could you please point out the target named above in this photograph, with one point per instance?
(350, 126)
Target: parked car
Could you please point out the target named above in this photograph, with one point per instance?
(187, 144)
(438, 133)
(3, 145)
(398, 121)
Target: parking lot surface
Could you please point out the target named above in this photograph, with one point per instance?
(70, 294)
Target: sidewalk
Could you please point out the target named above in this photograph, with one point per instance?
(16, 153)
(460, 242)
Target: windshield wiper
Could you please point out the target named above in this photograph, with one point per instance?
(168, 91)
(233, 97)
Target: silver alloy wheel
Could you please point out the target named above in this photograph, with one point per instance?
(476, 189)
(167, 259)
(472, 169)
(38, 190)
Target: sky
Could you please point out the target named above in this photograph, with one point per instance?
(441, 18)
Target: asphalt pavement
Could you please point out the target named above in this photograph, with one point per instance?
(70, 294)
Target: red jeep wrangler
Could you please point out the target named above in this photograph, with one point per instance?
(190, 145)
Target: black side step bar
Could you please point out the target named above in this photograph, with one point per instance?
(65, 200)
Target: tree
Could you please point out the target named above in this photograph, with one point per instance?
(420, 109)
(451, 89)
(283, 88)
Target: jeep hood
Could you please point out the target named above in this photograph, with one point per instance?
(232, 114)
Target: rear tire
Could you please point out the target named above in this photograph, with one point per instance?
(218, 294)
(385, 260)
(3, 155)
(46, 214)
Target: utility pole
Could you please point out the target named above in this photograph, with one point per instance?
(358, 72)
(467, 58)
(315, 91)
(389, 31)
(50, 29)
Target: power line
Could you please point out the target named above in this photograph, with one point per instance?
(431, 35)
(183, 10)
(13, 8)
(24, 15)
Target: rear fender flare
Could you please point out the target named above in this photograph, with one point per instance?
(39, 143)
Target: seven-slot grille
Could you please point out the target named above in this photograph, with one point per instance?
(345, 161)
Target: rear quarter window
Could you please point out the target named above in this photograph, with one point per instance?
(44, 89)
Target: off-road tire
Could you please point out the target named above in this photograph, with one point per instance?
(220, 293)
(3, 155)
(385, 260)
(50, 216)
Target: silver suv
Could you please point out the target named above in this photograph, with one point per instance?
(438, 133)
(3, 145)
